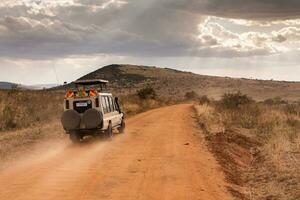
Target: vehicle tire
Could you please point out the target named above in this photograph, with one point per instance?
(92, 118)
(121, 129)
(75, 137)
(109, 131)
(70, 120)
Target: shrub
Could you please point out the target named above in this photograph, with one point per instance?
(192, 95)
(235, 100)
(204, 100)
(293, 122)
(147, 93)
(8, 116)
(239, 110)
(265, 129)
(292, 109)
(248, 116)
(275, 101)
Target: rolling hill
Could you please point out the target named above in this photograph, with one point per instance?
(126, 79)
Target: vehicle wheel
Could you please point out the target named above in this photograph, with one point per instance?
(75, 137)
(121, 129)
(109, 131)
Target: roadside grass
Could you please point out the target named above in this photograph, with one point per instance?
(15, 144)
(21, 109)
(257, 144)
(145, 99)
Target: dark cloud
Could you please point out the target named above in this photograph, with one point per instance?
(137, 28)
(245, 9)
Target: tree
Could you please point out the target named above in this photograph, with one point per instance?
(147, 93)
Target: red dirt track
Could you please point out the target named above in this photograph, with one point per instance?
(161, 156)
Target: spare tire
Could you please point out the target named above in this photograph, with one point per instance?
(70, 120)
(92, 118)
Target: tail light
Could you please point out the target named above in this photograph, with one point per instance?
(93, 93)
(97, 102)
(69, 94)
(67, 104)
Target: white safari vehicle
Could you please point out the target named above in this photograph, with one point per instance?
(90, 110)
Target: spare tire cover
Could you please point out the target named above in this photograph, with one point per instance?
(92, 118)
(70, 120)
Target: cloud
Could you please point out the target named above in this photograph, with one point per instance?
(48, 29)
(289, 34)
(231, 44)
(92, 27)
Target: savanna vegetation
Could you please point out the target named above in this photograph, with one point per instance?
(21, 109)
(257, 143)
(145, 99)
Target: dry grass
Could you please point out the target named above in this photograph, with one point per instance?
(20, 109)
(27, 118)
(133, 104)
(16, 143)
(258, 146)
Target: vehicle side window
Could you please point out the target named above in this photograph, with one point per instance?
(103, 102)
(107, 104)
(111, 104)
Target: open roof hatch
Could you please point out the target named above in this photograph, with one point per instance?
(99, 83)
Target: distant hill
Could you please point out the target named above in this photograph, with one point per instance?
(41, 86)
(9, 86)
(126, 79)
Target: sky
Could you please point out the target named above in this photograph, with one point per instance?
(52, 41)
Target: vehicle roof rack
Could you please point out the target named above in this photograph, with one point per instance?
(98, 83)
(91, 82)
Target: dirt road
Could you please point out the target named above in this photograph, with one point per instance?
(160, 156)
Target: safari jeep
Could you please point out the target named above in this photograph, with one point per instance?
(89, 110)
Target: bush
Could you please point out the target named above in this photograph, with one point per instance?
(292, 109)
(235, 100)
(204, 100)
(292, 122)
(147, 93)
(8, 116)
(275, 101)
(192, 95)
(248, 116)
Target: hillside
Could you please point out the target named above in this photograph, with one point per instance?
(126, 79)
